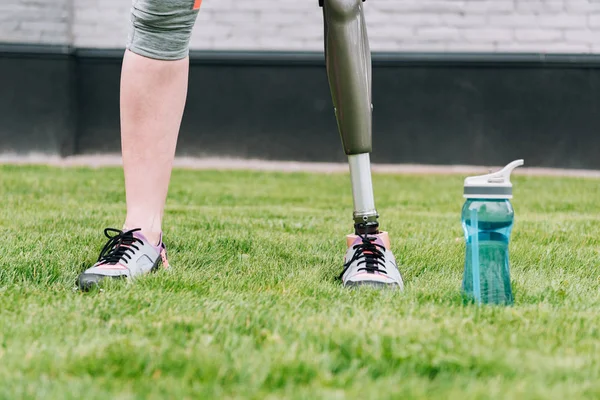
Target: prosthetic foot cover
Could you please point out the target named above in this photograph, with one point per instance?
(161, 29)
(348, 59)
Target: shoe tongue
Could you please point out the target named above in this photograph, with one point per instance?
(377, 240)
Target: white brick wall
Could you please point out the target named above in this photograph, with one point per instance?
(571, 26)
(35, 21)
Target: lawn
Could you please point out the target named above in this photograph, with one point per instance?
(252, 309)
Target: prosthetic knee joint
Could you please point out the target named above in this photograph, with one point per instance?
(348, 61)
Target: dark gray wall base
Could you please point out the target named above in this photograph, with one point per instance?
(428, 108)
(37, 100)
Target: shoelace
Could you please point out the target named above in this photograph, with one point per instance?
(370, 254)
(118, 246)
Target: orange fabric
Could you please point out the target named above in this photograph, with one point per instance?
(197, 4)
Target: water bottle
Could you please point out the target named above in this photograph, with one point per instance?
(487, 221)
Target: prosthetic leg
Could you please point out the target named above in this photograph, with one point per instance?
(369, 260)
(348, 60)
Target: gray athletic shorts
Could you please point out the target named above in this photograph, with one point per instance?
(161, 29)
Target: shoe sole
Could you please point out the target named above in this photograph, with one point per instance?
(374, 284)
(87, 282)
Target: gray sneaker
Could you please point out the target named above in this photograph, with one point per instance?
(127, 254)
(370, 262)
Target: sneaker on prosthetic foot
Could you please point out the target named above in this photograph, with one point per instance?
(127, 254)
(370, 262)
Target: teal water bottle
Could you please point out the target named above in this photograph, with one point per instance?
(487, 221)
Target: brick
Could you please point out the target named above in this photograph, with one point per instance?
(387, 46)
(214, 31)
(582, 36)
(582, 6)
(541, 6)
(562, 21)
(538, 35)
(422, 46)
(274, 43)
(463, 20)
(441, 33)
(419, 20)
(487, 34)
(279, 18)
(232, 17)
(491, 7)
(393, 33)
(423, 7)
(579, 4)
(378, 18)
(594, 21)
(569, 48)
(306, 32)
(514, 20)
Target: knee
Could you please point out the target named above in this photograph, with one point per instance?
(161, 29)
(343, 9)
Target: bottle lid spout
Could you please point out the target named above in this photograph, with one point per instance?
(495, 185)
(506, 171)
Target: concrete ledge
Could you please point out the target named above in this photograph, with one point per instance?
(396, 59)
(232, 164)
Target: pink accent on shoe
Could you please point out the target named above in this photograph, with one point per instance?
(382, 239)
(163, 255)
(160, 248)
(371, 275)
(111, 266)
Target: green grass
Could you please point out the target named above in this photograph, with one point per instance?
(251, 308)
